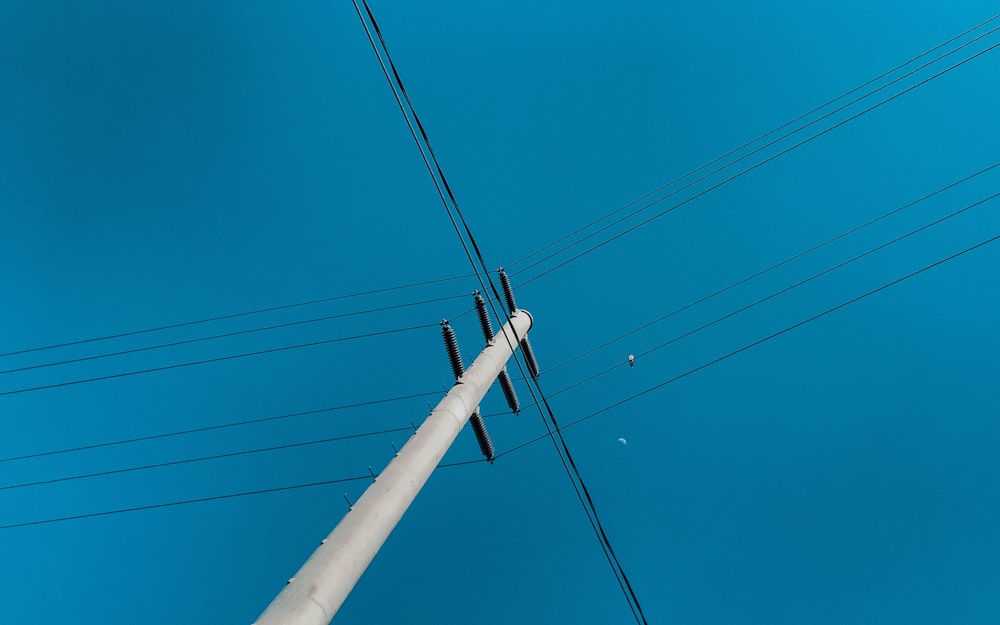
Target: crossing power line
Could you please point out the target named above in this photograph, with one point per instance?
(530, 255)
(555, 430)
(216, 359)
(568, 425)
(558, 392)
(221, 426)
(725, 181)
(427, 154)
(173, 463)
(784, 290)
(763, 340)
(777, 265)
(533, 253)
(742, 147)
(247, 313)
(213, 337)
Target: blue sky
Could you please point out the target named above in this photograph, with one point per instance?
(173, 162)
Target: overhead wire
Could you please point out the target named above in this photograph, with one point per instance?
(427, 157)
(216, 359)
(208, 428)
(761, 341)
(777, 265)
(399, 96)
(582, 493)
(520, 260)
(468, 232)
(763, 147)
(784, 290)
(591, 415)
(451, 195)
(229, 334)
(172, 463)
(731, 178)
(516, 262)
(761, 300)
(752, 141)
(630, 592)
(169, 504)
(575, 422)
(232, 316)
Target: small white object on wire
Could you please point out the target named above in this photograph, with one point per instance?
(631, 360)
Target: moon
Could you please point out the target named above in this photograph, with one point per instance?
(623, 441)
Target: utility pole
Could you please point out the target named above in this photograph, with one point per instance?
(320, 587)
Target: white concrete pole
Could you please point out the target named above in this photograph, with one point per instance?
(317, 591)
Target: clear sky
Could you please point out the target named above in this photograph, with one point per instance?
(170, 162)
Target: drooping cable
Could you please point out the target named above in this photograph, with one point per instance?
(399, 96)
(208, 428)
(731, 178)
(264, 491)
(782, 291)
(767, 338)
(777, 265)
(566, 426)
(169, 504)
(440, 173)
(217, 359)
(753, 141)
(213, 337)
(172, 463)
(233, 315)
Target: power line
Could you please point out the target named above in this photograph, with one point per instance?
(599, 526)
(217, 359)
(208, 428)
(512, 264)
(603, 536)
(184, 502)
(752, 141)
(230, 334)
(761, 148)
(426, 157)
(775, 266)
(234, 315)
(231, 454)
(398, 82)
(569, 457)
(733, 177)
(568, 425)
(426, 150)
(169, 504)
(570, 467)
(787, 289)
(758, 342)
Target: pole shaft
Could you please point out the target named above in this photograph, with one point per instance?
(320, 587)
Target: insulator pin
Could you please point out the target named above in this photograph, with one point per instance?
(508, 293)
(458, 368)
(529, 357)
(451, 344)
(508, 391)
(479, 428)
(484, 318)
